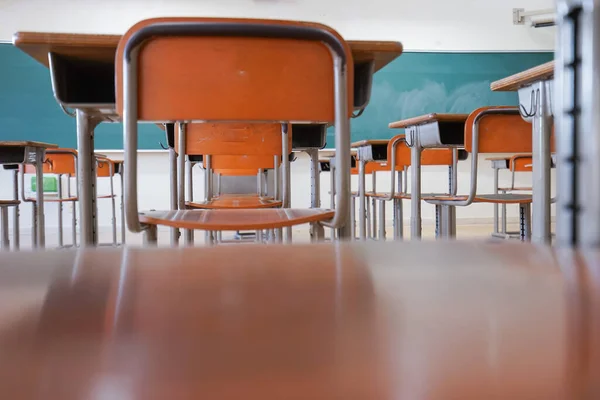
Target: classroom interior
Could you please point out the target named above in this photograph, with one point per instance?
(299, 198)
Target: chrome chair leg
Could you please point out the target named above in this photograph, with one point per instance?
(150, 236)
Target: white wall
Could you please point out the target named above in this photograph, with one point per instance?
(429, 25)
(419, 24)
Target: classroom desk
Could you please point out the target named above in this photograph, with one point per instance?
(368, 151)
(431, 131)
(82, 69)
(27, 152)
(535, 88)
(437, 320)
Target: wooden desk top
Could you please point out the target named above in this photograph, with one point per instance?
(449, 320)
(382, 52)
(425, 119)
(103, 48)
(515, 82)
(370, 142)
(24, 143)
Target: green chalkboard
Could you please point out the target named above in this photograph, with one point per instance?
(414, 84)
(420, 83)
(28, 110)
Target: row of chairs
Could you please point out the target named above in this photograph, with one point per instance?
(62, 164)
(486, 130)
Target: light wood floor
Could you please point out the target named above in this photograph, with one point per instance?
(300, 234)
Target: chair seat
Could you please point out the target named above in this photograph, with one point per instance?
(236, 202)
(516, 189)
(407, 196)
(7, 203)
(508, 198)
(234, 220)
(56, 200)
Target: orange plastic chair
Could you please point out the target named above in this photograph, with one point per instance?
(252, 71)
(496, 129)
(399, 161)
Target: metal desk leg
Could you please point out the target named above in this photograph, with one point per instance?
(4, 228)
(415, 217)
(74, 212)
(39, 180)
(16, 230)
(60, 212)
(450, 220)
(542, 129)
(496, 209)
(398, 219)
(362, 211)
(368, 219)
(86, 179)
(315, 179)
(316, 229)
(352, 219)
(123, 241)
(173, 192)
(381, 220)
(34, 226)
(332, 201)
(285, 177)
(113, 207)
(374, 213)
(208, 193)
(398, 209)
(503, 219)
(74, 223)
(189, 233)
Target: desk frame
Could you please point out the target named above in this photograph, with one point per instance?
(535, 90)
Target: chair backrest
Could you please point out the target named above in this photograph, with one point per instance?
(500, 133)
(233, 139)
(428, 156)
(61, 161)
(521, 163)
(250, 72)
(227, 162)
(105, 167)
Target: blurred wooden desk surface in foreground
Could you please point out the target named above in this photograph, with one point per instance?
(376, 321)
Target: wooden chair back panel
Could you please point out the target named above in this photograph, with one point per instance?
(60, 164)
(436, 157)
(501, 133)
(103, 169)
(521, 164)
(241, 162)
(233, 78)
(428, 156)
(234, 139)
